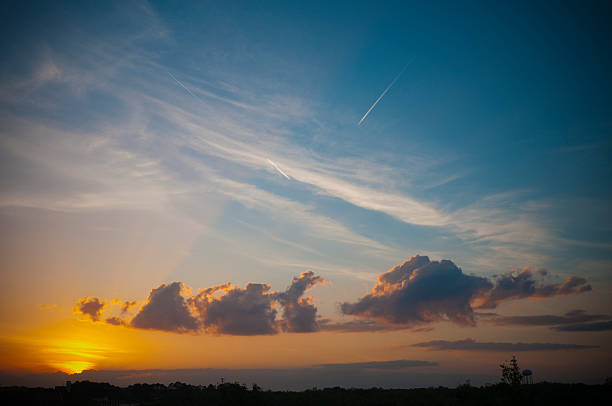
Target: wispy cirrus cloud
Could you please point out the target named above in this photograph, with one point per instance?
(163, 150)
(238, 138)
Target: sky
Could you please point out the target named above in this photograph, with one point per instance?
(301, 194)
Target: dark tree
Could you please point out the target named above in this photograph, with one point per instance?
(511, 373)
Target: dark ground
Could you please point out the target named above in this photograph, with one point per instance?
(91, 393)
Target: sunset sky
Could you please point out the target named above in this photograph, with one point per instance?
(358, 194)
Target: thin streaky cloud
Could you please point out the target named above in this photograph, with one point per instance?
(470, 344)
(278, 169)
(468, 222)
(383, 93)
(183, 86)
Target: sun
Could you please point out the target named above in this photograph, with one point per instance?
(73, 367)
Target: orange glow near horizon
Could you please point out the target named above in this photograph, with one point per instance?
(74, 367)
(73, 346)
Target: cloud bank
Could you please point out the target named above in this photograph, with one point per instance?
(411, 295)
(584, 327)
(472, 345)
(395, 364)
(574, 317)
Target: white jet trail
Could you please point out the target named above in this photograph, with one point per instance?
(184, 87)
(279, 169)
(383, 94)
(196, 97)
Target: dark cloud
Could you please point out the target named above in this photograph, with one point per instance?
(127, 305)
(166, 310)
(115, 321)
(299, 314)
(601, 326)
(365, 326)
(237, 311)
(395, 364)
(574, 284)
(92, 307)
(354, 326)
(421, 291)
(528, 283)
(228, 309)
(471, 345)
(572, 317)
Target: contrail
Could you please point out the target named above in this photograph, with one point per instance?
(191, 93)
(184, 87)
(383, 93)
(279, 169)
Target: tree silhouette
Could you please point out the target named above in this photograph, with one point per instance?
(511, 373)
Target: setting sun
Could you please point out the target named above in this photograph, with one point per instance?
(73, 367)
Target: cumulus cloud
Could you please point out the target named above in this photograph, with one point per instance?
(299, 314)
(411, 295)
(228, 309)
(237, 311)
(525, 283)
(166, 310)
(472, 345)
(421, 291)
(91, 307)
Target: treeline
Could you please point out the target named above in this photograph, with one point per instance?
(104, 394)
